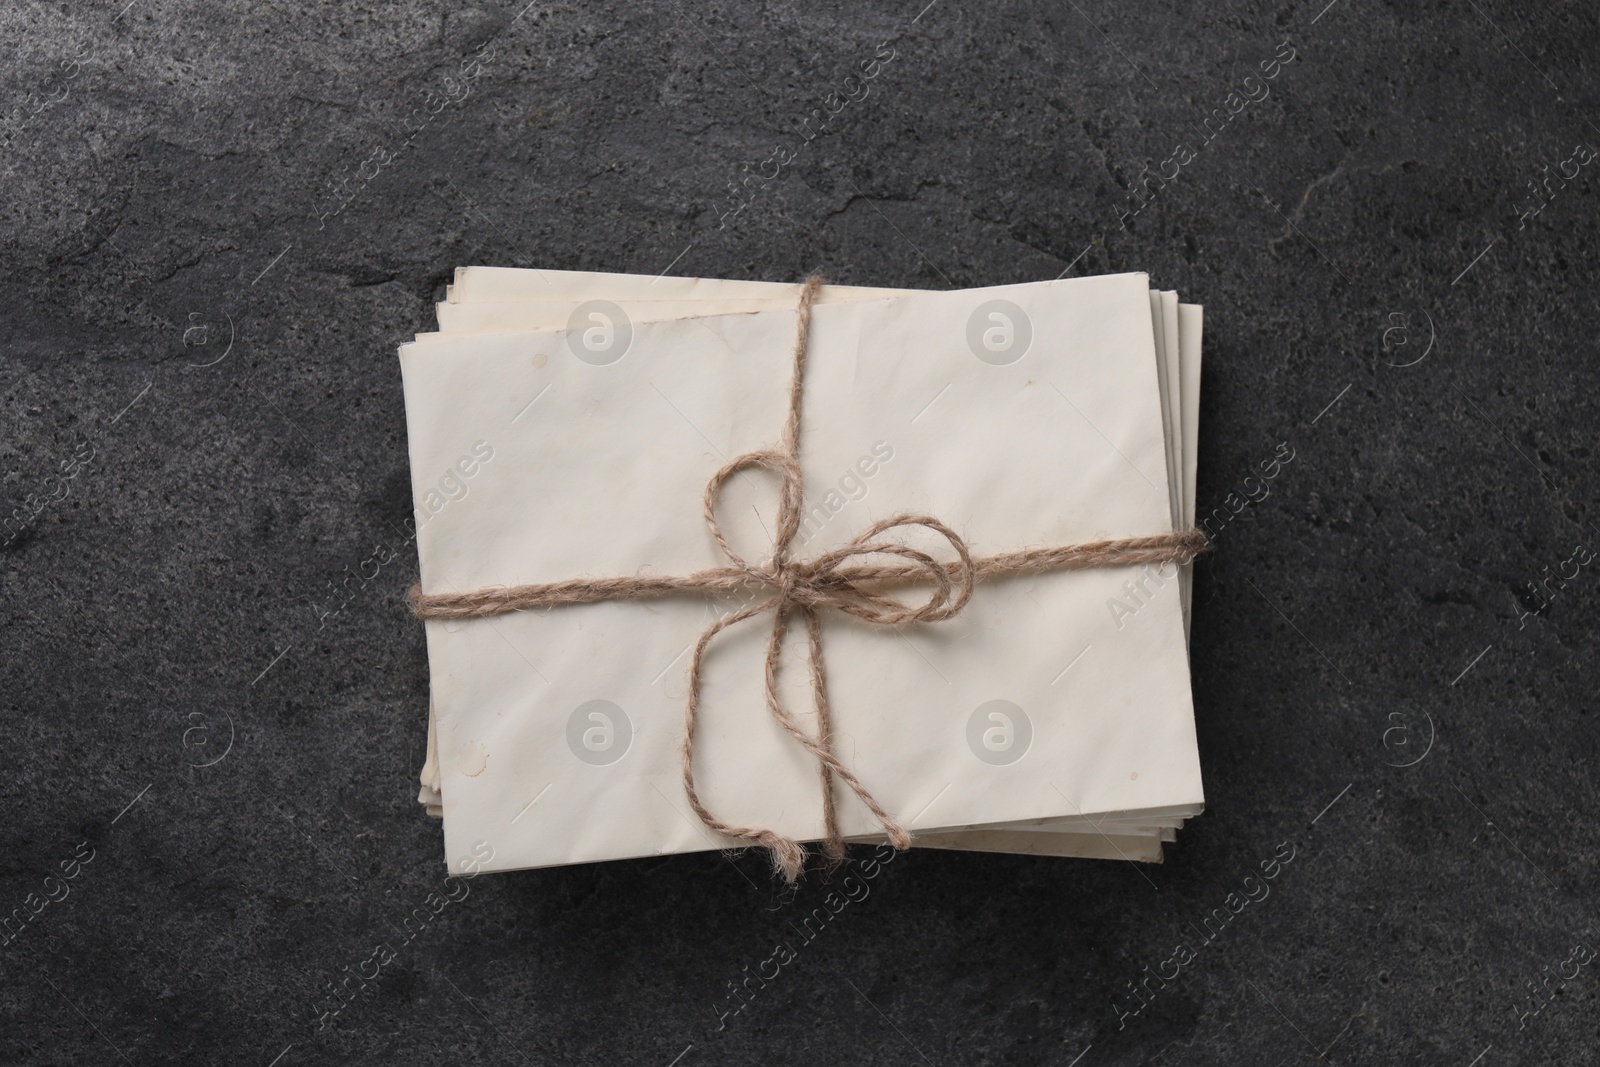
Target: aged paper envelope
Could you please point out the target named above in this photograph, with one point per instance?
(460, 525)
(551, 299)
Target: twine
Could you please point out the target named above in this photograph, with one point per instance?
(803, 588)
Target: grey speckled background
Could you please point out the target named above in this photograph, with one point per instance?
(165, 164)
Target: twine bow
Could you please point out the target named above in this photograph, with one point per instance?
(805, 587)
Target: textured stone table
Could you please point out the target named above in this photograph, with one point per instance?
(221, 218)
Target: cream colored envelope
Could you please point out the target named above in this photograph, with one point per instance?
(599, 468)
(583, 288)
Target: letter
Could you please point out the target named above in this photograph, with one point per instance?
(1142, 583)
(760, 967)
(834, 902)
(467, 466)
(785, 157)
(78, 852)
(482, 852)
(748, 978)
(1228, 102)
(1176, 970)
(1588, 554)
(1145, 174)
(867, 466)
(1162, 170)
(1585, 151)
(1575, 969)
(1278, 852)
(1185, 155)
(452, 485)
(1216, 113)
(433, 501)
(869, 68)
(1185, 954)
(1545, 171)
(1273, 473)
(450, 885)
(1260, 487)
(1269, 68)
(787, 953)
(436, 902)
(1575, 568)
(1206, 922)
(483, 450)
(818, 515)
(362, 967)
(1546, 583)
(873, 872)
(386, 953)
(865, 889)
(776, 170)
(1116, 606)
(1122, 1016)
(852, 486)
(1279, 452)
(1147, 976)
(887, 59)
(1132, 594)
(344, 983)
(34, 898)
(834, 98)
(833, 500)
(70, 868)
(1229, 502)
(1124, 216)
(22, 923)
(1287, 59)
(1585, 948)
(1562, 168)
(1211, 535)
(1254, 99)
(883, 450)
(1266, 890)
(1235, 902)
(51, 893)
(722, 1016)
(361, 568)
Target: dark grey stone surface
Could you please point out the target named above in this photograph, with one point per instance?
(240, 773)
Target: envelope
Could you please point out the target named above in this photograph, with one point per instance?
(693, 392)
